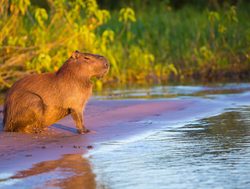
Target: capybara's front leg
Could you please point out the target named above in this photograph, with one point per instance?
(79, 121)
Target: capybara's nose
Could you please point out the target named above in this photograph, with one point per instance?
(104, 60)
(106, 64)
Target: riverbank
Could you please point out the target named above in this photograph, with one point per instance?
(57, 158)
(25, 155)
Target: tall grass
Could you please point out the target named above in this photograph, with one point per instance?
(195, 41)
(148, 44)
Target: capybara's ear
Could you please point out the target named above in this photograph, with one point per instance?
(75, 54)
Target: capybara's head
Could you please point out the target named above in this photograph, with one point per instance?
(92, 65)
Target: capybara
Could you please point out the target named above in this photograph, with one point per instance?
(39, 100)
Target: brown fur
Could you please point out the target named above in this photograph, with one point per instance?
(39, 100)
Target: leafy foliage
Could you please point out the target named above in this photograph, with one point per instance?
(151, 44)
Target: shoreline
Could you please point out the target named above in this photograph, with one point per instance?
(23, 154)
(26, 156)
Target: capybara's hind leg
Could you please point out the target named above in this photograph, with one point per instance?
(29, 117)
(30, 122)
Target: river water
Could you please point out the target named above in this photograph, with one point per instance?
(208, 150)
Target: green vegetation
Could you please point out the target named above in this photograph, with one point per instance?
(144, 44)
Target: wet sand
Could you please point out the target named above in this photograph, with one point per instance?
(25, 156)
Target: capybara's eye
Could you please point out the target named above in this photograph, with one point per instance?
(86, 58)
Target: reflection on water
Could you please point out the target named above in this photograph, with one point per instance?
(225, 133)
(71, 171)
(210, 153)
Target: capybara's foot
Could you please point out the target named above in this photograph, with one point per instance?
(83, 131)
(34, 129)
